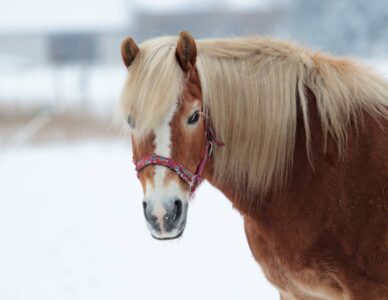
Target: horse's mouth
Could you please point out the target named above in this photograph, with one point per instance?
(159, 238)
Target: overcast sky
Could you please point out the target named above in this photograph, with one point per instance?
(56, 15)
(170, 5)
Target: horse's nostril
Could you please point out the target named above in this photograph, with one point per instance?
(177, 209)
(151, 219)
(145, 212)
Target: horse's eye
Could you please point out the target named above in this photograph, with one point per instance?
(193, 118)
(131, 122)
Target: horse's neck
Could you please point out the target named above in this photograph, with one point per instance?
(253, 203)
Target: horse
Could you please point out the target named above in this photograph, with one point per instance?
(295, 139)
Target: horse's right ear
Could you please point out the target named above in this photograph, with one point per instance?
(129, 51)
(186, 51)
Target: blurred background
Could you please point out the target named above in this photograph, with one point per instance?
(71, 223)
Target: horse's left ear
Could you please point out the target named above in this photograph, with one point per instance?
(186, 51)
(129, 51)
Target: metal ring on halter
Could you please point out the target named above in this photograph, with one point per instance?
(210, 151)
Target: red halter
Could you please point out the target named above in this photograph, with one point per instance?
(193, 180)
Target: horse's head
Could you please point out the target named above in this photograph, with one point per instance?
(171, 157)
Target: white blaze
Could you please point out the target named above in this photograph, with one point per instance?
(158, 192)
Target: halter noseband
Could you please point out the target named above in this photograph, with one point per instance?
(193, 180)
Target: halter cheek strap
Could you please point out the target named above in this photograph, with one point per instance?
(193, 180)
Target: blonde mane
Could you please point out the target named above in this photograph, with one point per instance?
(252, 88)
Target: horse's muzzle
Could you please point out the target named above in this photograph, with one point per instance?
(165, 219)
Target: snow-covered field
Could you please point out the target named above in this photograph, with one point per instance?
(71, 227)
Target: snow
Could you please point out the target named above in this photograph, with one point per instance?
(71, 227)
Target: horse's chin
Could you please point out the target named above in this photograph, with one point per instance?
(168, 237)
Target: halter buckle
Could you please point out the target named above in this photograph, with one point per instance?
(210, 150)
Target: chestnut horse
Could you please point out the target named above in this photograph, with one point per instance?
(296, 140)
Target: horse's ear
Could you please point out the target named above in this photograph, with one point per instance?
(129, 50)
(186, 51)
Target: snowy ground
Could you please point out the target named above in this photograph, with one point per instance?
(71, 227)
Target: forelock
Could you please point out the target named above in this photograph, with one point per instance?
(153, 85)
